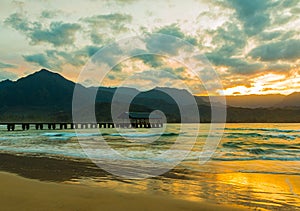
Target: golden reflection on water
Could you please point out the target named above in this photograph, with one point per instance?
(256, 184)
(270, 190)
(262, 191)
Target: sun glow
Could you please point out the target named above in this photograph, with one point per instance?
(267, 84)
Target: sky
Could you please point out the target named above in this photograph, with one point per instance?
(253, 45)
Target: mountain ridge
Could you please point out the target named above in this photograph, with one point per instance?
(47, 95)
(244, 101)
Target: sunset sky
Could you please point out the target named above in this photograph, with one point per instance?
(254, 45)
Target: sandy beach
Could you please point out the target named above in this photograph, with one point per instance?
(18, 193)
(39, 183)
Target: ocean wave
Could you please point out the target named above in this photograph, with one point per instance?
(70, 135)
(236, 144)
(260, 151)
(43, 152)
(256, 158)
(132, 135)
(259, 135)
(268, 172)
(59, 138)
(265, 129)
(273, 147)
(143, 135)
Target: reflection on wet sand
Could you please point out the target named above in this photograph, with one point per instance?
(219, 183)
(263, 191)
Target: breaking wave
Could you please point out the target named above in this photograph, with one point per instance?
(259, 135)
(265, 129)
(132, 135)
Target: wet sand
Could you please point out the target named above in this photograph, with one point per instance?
(18, 193)
(51, 183)
(37, 183)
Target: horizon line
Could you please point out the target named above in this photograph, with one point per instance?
(113, 87)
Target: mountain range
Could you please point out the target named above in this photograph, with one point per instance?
(45, 95)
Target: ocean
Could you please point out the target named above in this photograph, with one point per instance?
(254, 165)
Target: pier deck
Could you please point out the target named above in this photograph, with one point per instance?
(11, 126)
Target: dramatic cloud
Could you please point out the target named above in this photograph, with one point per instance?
(39, 59)
(57, 33)
(49, 14)
(18, 22)
(266, 36)
(279, 67)
(283, 50)
(54, 59)
(4, 65)
(234, 65)
(174, 30)
(97, 38)
(254, 14)
(116, 22)
(163, 44)
(149, 59)
(285, 11)
(4, 75)
(242, 39)
(102, 27)
(228, 40)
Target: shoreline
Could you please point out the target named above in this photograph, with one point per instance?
(82, 182)
(29, 182)
(18, 193)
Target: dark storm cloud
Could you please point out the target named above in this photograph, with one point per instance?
(54, 59)
(18, 22)
(286, 11)
(97, 38)
(156, 75)
(270, 35)
(101, 28)
(235, 65)
(284, 50)
(87, 51)
(39, 59)
(69, 58)
(229, 39)
(254, 18)
(279, 67)
(254, 14)
(168, 40)
(149, 59)
(159, 44)
(174, 30)
(57, 33)
(279, 35)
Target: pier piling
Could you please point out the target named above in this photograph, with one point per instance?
(52, 126)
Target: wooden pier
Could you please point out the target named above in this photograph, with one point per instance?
(11, 126)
